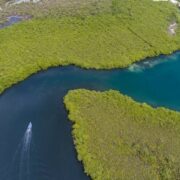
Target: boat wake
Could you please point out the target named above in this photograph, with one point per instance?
(22, 155)
(24, 169)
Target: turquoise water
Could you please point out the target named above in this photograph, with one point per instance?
(35, 134)
(155, 82)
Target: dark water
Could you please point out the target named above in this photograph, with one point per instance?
(44, 149)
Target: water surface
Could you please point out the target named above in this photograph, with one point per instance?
(11, 20)
(35, 134)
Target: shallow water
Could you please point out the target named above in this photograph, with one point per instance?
(11, 20)
(49, 152)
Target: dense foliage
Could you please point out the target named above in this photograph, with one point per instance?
(128, 31)
(115, 137)
(118, 138)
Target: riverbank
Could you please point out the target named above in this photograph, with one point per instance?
(104, 41)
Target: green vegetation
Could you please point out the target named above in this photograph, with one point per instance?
(115, 136)
(118, 138)
(124, 32)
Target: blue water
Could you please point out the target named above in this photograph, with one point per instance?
(39, 101)
(11, 20)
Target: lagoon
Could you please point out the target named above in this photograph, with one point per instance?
(35, 133)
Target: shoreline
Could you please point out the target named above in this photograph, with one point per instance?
(42, 69)
(140, 62)
(36, 67)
